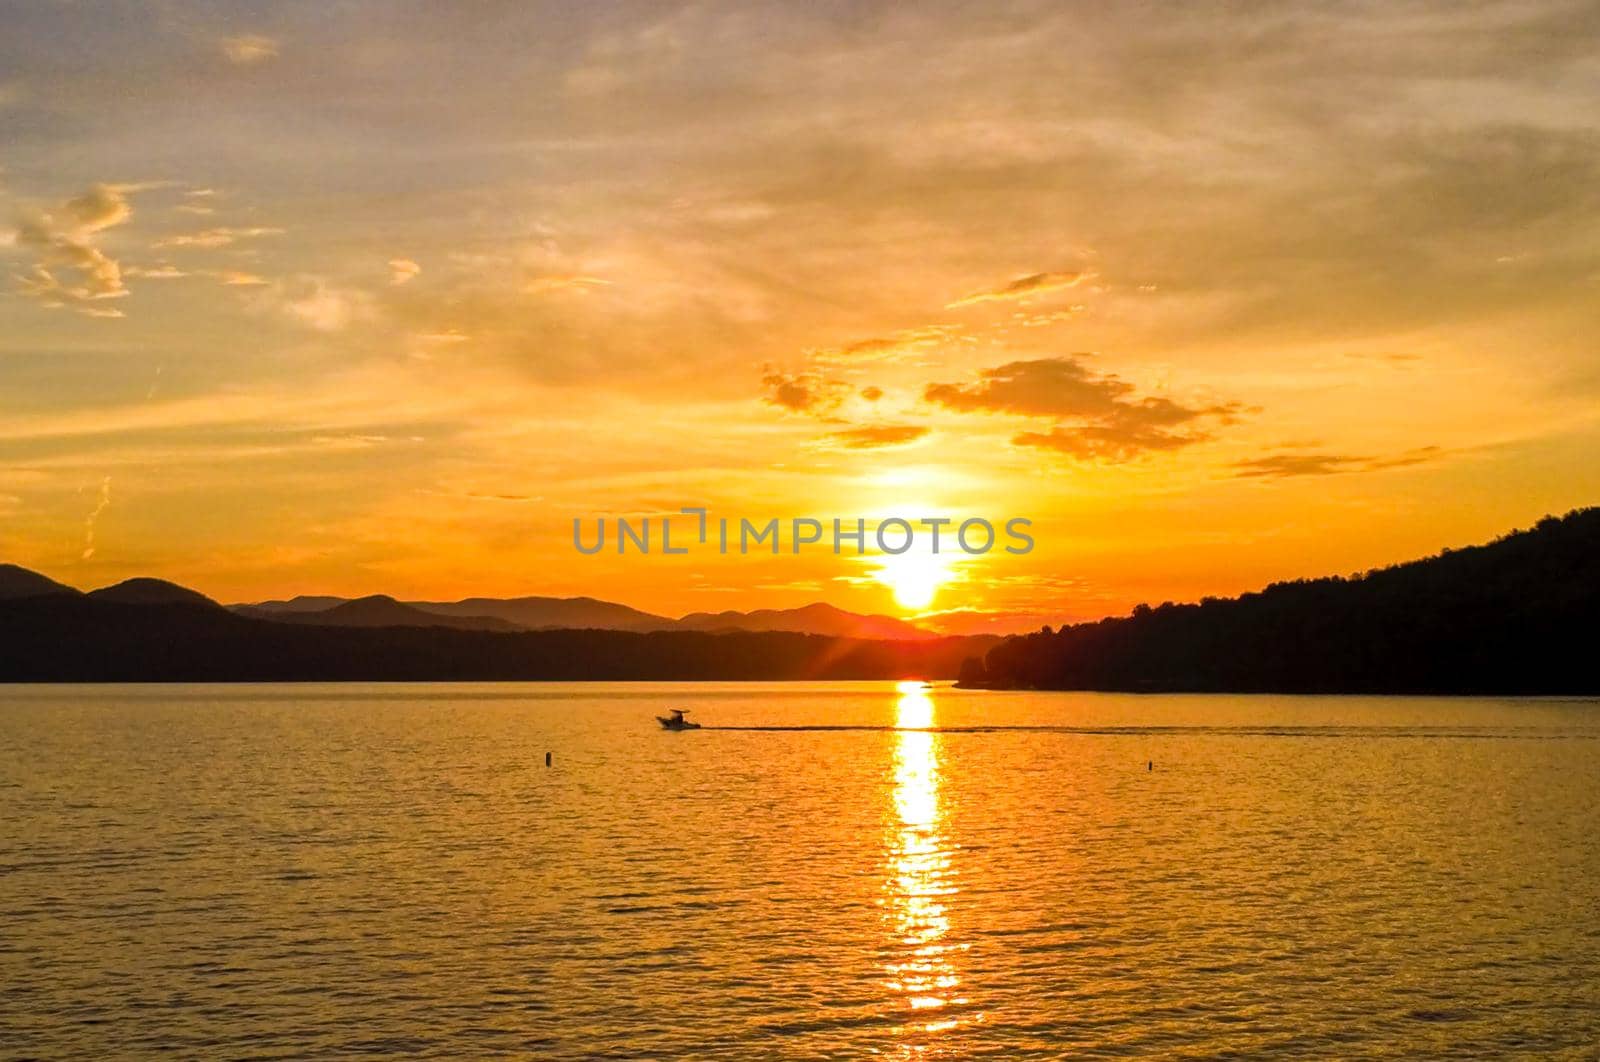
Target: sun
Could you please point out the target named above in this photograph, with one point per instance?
(914, 578)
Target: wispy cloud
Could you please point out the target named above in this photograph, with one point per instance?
(235, 278)
(402, 271)
(217, 237)
(878, 435)
(94, 515)
(1283, 466)
(64, 239)
(320, 305)
(163, 271)
(574, 282)
(249, 49)
(897, 345)
(1022, 288)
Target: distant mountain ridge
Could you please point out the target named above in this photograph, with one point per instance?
(487, 613)
(484, 613)
(378, 610)
(587, 613)
(551, 613)
(302, 603)
(65, 637)
(819, 618)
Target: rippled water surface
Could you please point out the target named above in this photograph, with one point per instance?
(841, 871)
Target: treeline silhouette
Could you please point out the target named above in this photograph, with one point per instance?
(67, 637)
(1519, 615)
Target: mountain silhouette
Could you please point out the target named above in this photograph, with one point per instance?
(303, 603)
(380, 610)
(551, 613)
(587, 613)
(1518, 615)
(84, 638)
(512, 613)
(1515, 616)
(151, 592)
(16, 582)
(811, 619)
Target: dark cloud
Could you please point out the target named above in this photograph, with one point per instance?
(878, 435)
(1045, 387)
(1101, 417)
(1122, 440)
(1283, 466)
(803, 392)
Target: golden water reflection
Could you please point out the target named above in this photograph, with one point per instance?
(922, 971)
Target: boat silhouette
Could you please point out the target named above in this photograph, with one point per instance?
(676, 721)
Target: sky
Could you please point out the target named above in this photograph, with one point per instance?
(355, 297)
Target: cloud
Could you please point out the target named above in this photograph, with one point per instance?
(1045, 387)
(235, 278)
(569, 282)
(872, 394)
(1101, 416)
(101, 207)
(1022, 288)
(94, 515)
(1122, 440)
(900, 344)
(218, 237)
(803, 392)
(249, 49)
(879, 435)
(1396, 359)
(40, 283)
(64, 239)
(325, 308)
(163, 271)
(1283, 466)
(402, 270)
(1044, 320)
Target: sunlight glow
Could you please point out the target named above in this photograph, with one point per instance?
(914, 577)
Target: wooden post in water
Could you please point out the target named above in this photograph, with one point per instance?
(547, 759)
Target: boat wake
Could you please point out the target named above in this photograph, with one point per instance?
(1501, 733)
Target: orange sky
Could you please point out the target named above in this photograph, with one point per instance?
(335, 300)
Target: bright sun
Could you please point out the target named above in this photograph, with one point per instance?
(915, 578)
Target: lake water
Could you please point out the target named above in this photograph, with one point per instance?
(387, 870)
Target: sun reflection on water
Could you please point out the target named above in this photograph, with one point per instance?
(922, 972)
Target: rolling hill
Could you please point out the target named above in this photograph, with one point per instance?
(1518, 615)
(18, 583)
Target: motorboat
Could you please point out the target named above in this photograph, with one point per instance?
(676, 721)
